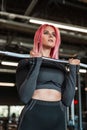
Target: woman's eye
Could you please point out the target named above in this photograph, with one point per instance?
(46, 32)
(54, 34)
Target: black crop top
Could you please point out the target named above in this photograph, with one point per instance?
(50, 77)
(36, 73)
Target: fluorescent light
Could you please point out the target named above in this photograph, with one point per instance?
(86, 89)
(7, 70)
(42, 21)
(9, 63)
(2, 41)
(76, 88)
(80, 70)
(7, 84)
(83, 71)
(59, 25)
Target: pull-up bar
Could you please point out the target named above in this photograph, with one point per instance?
(12, 54)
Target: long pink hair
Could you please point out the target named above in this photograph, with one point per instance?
(38, 41)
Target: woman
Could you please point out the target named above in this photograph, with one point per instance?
(45, 86)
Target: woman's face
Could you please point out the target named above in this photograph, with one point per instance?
(48, 37)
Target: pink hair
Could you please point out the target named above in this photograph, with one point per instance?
(38, 41)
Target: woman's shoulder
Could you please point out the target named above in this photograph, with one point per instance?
(28, 61)
(24, 63)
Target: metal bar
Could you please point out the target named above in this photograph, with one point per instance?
(64, 61)
(30, 7)
(17, 26)
(12, 15)
(80, 126)
(12, 54)
(73, 113)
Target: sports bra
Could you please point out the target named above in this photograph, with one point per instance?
(50, 77)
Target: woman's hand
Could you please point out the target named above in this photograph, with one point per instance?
(74, 61)
(34, 54)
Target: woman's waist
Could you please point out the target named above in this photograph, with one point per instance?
(47, 94)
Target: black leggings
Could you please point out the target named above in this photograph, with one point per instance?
(43, 115)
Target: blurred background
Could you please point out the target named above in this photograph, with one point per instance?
(19, 20)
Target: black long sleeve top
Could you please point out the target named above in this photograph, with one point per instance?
(36, 73)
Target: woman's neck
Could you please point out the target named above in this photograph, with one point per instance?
(46, 52)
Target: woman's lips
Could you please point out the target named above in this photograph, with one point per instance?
(50, 40)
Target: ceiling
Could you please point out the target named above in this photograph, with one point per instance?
(16, 32)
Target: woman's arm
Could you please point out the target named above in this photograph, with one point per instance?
(26, 77)
(70, 83)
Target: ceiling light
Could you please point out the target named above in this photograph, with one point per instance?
(82, 70)
(9, 63)
(7, 84)
(86, 89)
(59, 25)
(7, 70)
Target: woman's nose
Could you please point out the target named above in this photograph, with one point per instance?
(50, 34)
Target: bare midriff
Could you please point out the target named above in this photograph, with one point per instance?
(47, 95)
